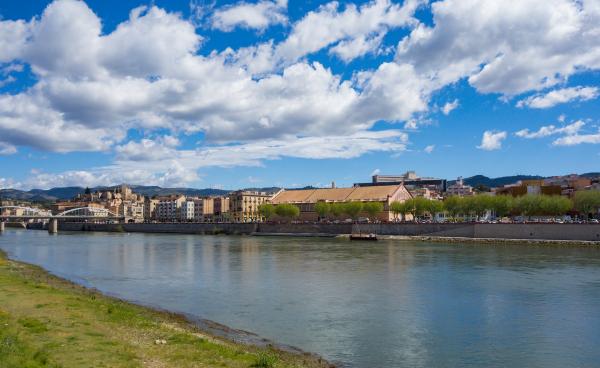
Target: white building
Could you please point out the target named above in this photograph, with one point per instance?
(459, 188)
(186, 211)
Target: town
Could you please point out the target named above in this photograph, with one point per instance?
(386, 198)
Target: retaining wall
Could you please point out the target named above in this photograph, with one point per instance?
(589, 232)
(162, 228)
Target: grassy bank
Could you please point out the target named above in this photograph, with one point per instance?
(46, 321)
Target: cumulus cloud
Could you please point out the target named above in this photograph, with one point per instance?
(506, 47)
(559, 96)
(549, 130)
(449, 106)
(358, 29)
(429, 148)
(492, 140)
(575, 139)
(158, 162)
(259, 15)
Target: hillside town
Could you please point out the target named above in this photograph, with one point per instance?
(380, 200)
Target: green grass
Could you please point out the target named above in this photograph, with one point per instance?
(49, 322)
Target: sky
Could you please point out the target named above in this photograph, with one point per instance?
(235, 94)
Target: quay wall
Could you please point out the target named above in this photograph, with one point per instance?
(191, 228)
(585, 232)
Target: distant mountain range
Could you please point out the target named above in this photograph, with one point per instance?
(478, 180)
(54, 194)
(40, 195)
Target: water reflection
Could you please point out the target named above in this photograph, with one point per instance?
(387, 304)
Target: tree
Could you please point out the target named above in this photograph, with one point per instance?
(502, 205)
(322, 209)
(529, 205)
(266, 210)
(373, 209)
(336, 209)
(397, 208)
(453, 205)
(587, 201)
(87, 190)
(434, 206)
(352, 209)
(416, 206)
(287, 210)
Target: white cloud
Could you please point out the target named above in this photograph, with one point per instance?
(7, 149)
(507, 47)
(8, 183)
(13, 36)
(575, 139)
(99, 86)
(546, 131)
(492, 140)
(559, 96)
(137, 164)
(449, 106)
(375, 172)
(429, 148)
(358, 29)
(259, 15)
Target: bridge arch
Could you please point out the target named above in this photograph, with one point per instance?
(87, 212)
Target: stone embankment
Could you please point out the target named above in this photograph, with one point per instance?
(495, 232)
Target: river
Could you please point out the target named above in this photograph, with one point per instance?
(359, 304)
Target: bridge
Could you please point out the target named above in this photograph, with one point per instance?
(28, 213)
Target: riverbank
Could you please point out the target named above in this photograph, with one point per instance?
(530, 232)
(46, 321)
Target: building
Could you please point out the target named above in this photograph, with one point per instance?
(243, 205)
(459, 188)
(150, 209)
(132, 211)
(186, 210)
(204, 209)
(306, 199)
(119, 200)
(221, 209)
(411, 181)
(168, 208)
(525, 187)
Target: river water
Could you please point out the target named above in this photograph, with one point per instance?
(359, 304)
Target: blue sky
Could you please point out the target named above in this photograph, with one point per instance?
(234, 94)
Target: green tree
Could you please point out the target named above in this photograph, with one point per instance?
(397, 209)
(555, 205)
(434, 206)
(416, 206)
(586, 202)
(336, 209)
(373, 209)
(322, 209)
(353, 209)
(287, 210)
(266, 210)
(502, 205)
(453, 205)
(529, 205)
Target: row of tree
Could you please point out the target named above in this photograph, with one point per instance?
(584, 203)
